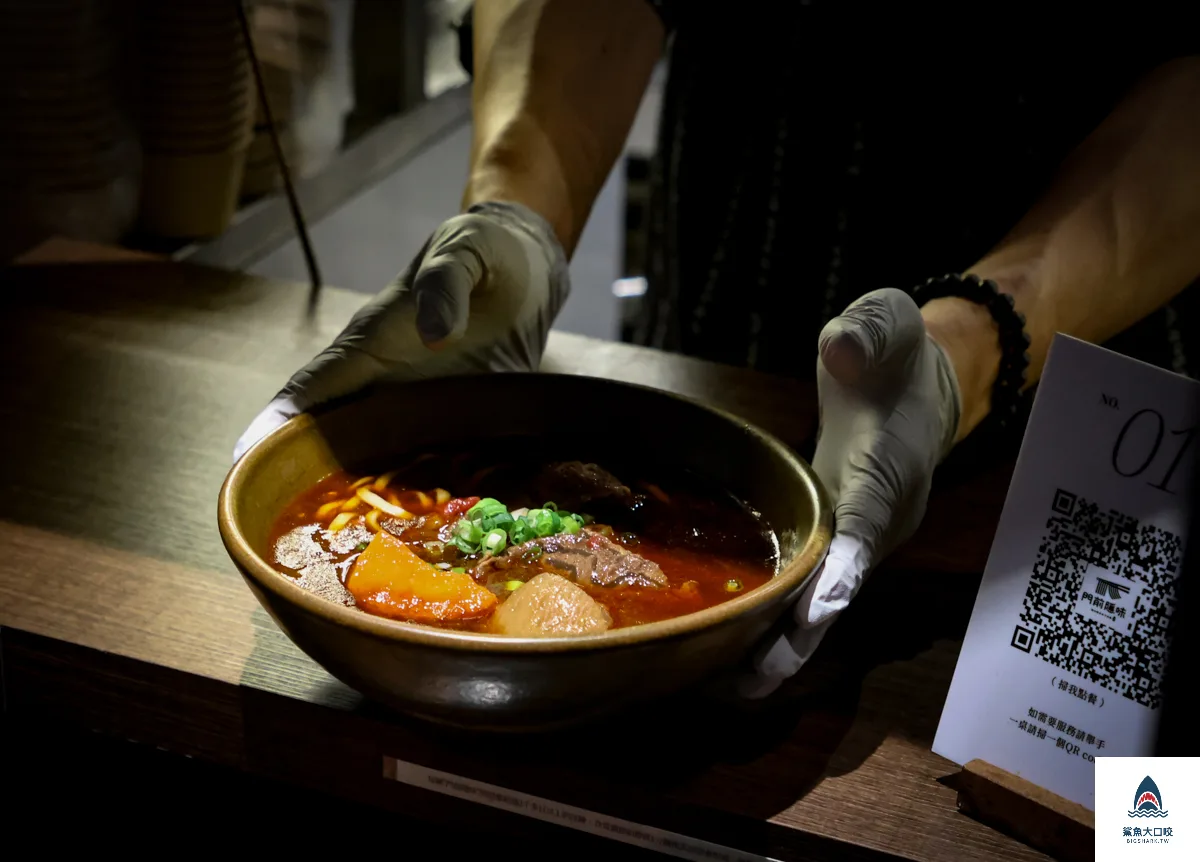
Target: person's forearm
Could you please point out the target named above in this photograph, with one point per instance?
(1116, 236)
(557, 84)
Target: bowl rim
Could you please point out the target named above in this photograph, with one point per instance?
(806, 564)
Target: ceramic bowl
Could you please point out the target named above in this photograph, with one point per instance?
(491, 682)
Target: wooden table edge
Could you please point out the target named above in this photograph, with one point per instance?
(51, 680)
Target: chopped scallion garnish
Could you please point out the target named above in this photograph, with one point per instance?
(495, 541)
(468, 531)
(489, 527)
(485, 507)
(542, 521)
(521, 532)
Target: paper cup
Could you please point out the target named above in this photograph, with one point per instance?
(190, 196)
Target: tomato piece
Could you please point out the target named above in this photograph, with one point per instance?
(458, 507)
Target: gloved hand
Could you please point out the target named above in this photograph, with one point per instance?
(480, 296)
(889, 411)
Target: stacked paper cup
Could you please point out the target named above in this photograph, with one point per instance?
(278, 55)
(69, 153)
(198, 111)
(292, 39)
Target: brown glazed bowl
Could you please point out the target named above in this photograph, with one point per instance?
(487, 681)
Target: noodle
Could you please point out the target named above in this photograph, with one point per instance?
(372, 499)
(329, 508)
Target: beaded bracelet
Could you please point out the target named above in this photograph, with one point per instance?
(1014, 341)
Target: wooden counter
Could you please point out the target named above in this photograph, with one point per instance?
(125, 386)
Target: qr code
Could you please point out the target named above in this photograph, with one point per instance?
(1100, 599)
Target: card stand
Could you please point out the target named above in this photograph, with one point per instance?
(1057, 826)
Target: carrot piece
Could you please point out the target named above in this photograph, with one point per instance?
(388, 579)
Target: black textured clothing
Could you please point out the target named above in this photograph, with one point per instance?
(810, 152)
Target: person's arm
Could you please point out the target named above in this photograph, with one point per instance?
(1116, 237)
(557, 84)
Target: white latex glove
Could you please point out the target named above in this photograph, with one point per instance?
(889, 410)
(480, 296)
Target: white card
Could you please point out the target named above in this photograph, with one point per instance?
(1064, 655)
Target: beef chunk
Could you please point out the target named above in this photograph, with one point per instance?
(575, 486)
(550, 606)
(595, 559)
(587, 557)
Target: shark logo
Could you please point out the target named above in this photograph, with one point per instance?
(1147, 801)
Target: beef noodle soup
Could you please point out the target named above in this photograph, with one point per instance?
(523, 548)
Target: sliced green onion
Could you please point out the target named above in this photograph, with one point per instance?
(435, 547)
(733, 585)
(532, 554)
(512, 585)
(542, 521)
(442, 565)
(362, 546)
(521, 532)
(467, 536)
(485, 507)
(500, 521)
(459, 570)
(489, 527)
(494, 541)
(468, 531)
